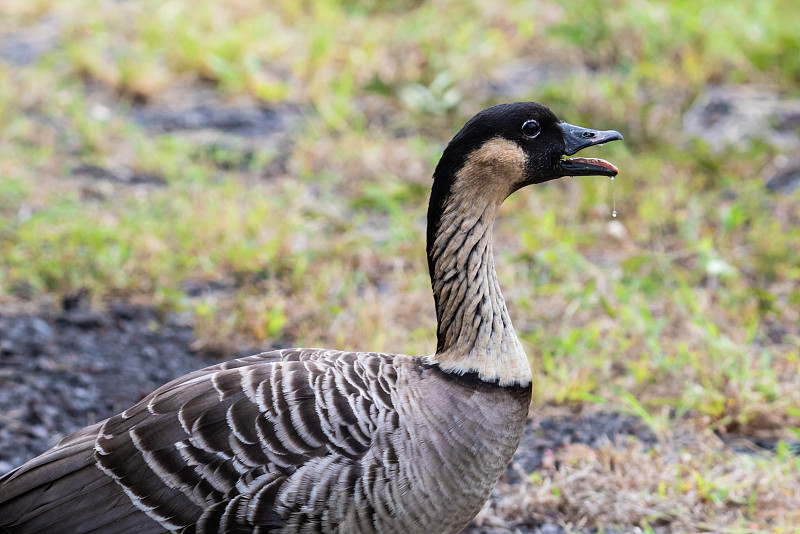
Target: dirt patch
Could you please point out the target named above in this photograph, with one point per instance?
(227, 132)
(64, 371)
(27, 45)
(242, 120)
(123, 176)
(544, 436)
(730, 115)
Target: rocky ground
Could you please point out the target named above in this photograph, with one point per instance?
(62, 371)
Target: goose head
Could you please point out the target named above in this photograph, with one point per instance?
(527, 143)
(509, 146)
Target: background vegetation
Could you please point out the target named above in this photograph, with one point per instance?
(684, 310)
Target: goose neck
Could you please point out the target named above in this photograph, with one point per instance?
(474, 333)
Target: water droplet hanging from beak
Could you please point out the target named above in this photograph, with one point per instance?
(614, 197)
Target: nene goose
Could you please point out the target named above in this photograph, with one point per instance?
(312, 440)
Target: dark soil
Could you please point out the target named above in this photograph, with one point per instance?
(547, 435)
(26, 46)
(60, 372)
(243, 121)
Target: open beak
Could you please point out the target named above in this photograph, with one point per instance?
(577, 138)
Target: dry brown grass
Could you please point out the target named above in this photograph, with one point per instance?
(693, 484)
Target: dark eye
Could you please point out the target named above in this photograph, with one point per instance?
(531, 128)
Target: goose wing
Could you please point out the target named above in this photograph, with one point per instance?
(252, 443)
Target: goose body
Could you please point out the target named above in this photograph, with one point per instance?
(322, 441)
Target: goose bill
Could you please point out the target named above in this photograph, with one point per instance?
(577, 138)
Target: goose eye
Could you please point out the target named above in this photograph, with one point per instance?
(531, 128)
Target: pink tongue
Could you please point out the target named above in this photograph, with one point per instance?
(597, 162)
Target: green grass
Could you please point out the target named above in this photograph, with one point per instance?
(667, 312)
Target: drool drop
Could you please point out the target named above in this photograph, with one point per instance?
(614, 197)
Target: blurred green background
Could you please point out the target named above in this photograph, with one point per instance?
(263, 167)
